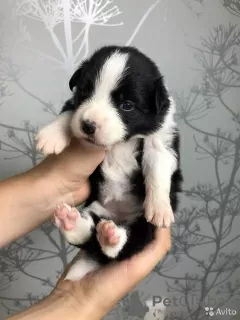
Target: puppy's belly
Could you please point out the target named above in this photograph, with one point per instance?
(127, 209)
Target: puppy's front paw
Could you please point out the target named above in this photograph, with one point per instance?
(52, 139)
(159, 211)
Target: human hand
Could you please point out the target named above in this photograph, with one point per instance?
(31, 197)
(95, 295)
(98, 292)
(70, 170)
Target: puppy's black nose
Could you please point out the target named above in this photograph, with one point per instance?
(88, 127)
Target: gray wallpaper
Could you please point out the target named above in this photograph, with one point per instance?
(196, 43)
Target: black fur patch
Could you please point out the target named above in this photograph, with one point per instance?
(142, 85)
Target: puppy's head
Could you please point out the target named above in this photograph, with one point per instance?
(118, 94)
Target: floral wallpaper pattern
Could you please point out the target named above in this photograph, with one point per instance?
(196, 44)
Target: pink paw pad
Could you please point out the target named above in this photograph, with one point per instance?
(65, 217)
(107, 233)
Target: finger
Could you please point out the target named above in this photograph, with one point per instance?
(81, 194)
(145, 261)
(88, 155)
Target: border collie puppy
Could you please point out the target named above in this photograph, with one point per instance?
(120, 103)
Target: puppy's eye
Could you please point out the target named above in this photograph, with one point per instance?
(127, 106)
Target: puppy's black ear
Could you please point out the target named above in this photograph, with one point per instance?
(161, 96)
(75, 78)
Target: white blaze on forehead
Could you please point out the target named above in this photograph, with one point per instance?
(99, 107)
(110, 74)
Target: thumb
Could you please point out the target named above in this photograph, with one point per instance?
(84, 156)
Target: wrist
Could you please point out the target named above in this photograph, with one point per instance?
(58, 307)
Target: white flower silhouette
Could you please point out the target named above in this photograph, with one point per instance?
(66, 13)
(50, 12)
(94, 12)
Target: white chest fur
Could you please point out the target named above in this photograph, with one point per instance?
(118, 166)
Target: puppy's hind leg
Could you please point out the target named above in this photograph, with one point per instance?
(76, 227)
(122, 242)
(111, 237)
